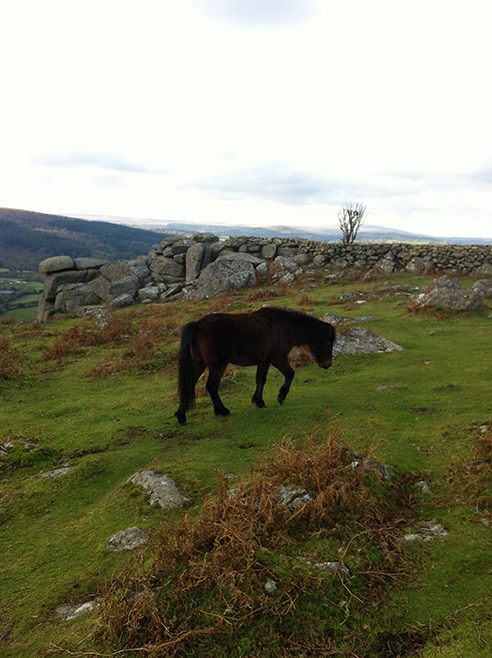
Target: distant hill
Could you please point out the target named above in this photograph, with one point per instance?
(367, 233)
(26, 238)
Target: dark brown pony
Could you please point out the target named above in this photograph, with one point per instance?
(259, 338)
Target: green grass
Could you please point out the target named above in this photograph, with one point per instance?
(53, 532)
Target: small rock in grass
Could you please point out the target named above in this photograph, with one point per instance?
(162, 489)
(428, 530)
(292, 497)
(424, 487)
(333, 566)
(127, 540)
(57, 472)
(68, 612)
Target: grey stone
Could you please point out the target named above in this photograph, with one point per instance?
(127, 540)
(282, 267)
(166, 270)
(150, 292)
(424, 487)
(122, 300)
(181, 258)
(108, 291)
(428, 530)
(205, 237)
(172, 291)
(194, 259)
(445, 282)
(356, 340)
(123, 269)
(55, 264)
(68, 612)
(239, 257)
(387, 264)
(349, 296)
(338, 567)
(458, 300)
(270, 586)
(58, 472)
(288, 252)
(72, 295)
(293, 497)
(162, 489)
(484, 270)
(262, 270)
(301, 259)
(53, 281)
(225, 273)
(181, 246)
(483, 287)
(415, 265)
(170, 240)
(320, 260)
(44, 310)
(337, 320)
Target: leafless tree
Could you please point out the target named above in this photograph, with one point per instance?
(350, 219)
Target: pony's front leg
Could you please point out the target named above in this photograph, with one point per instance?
(282, 364)
(261, 375)
(213, 381)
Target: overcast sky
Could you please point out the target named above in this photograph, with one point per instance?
(262, 112)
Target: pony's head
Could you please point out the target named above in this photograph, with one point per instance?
(322, 346)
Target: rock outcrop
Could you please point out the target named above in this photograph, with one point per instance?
(202, 266)
(447, 295)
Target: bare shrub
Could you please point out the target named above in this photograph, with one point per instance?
(205, 582)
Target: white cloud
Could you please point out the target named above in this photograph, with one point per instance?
(267, 112)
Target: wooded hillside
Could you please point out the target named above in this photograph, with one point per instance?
(28, 237)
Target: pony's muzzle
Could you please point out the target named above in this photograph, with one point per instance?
(326, 364)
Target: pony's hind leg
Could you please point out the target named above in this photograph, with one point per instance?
(261, 375)
(282, 364)
(198, 368)
(213, 381)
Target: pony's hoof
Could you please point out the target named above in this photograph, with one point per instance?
(259, 403)
(222, 412)
(280, 400)
(180, 418)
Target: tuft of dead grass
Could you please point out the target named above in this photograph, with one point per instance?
(202, 589)
(137, 338)
(261, 295)
(221, 303)
(90, 333)
(471, 479)
(11, 360)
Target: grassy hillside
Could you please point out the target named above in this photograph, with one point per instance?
(27, 237)
(101, 400)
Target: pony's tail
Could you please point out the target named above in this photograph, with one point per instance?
(186, 378)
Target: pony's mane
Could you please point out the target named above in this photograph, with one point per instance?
(288, 314)
(276, 310)
(295, 316)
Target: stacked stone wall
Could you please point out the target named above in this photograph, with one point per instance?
(174, 267)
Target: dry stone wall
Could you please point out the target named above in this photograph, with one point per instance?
(200, 266)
